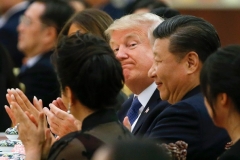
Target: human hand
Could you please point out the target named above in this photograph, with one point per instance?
(49, 138)
(32, 134)
(19, 97)
(61, 123)
(127, 124)
(58, 103)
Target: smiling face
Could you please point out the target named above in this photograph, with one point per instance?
(132, 48)
(167, 71)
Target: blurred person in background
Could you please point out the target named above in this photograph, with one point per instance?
(115, 8)
(7, 80)
(90, 20)
(78, 5)
(38, 31)
(220, 83)
(10, 12)
(165, 12)
(143, 6)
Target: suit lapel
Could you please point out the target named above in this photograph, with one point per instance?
(153, 101)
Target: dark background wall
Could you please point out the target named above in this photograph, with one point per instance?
(226, 22)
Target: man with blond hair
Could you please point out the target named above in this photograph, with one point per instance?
(131, 42)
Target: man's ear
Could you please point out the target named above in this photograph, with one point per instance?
(192, 62)
(50, 34)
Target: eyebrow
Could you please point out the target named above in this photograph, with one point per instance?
(131, 35)
(128, 36)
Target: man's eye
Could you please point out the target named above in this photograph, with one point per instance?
(132, 45)
(116, 50)
(158, 61)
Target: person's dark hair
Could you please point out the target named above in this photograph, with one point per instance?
(221, 74)
(149, 4)
(91, 20)
(56, 14)
(87, 65)
(136, 150)
(189, 33)
(165, 12)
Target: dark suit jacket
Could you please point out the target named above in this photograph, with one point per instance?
(188, 120)
(145, 119)
(7, 80)
(232, 153)
(9, 37)
(41, 81)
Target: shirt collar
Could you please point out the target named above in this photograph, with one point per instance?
(33, 60)
(146, 94)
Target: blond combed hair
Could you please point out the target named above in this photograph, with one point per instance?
(148, 21)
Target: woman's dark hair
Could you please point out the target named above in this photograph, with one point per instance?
(165, 12)
(189, 33)
(87, 65)
(221, 74)
(91, 20)
(140, 4)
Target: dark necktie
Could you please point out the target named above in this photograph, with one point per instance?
(23, 68)
(133, 110)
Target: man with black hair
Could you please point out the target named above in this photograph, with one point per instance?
(182, 45)
(38, 31)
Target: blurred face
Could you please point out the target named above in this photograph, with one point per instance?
(167, 72)
(74, 28)
(77, 5)
(132, 48)
(31, 29)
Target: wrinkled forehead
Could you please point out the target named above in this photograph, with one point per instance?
(120, 36)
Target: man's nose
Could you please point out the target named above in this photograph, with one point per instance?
(152, 72)
(122, 53)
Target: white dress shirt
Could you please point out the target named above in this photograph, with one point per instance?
(33, 60)
(143, 98)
